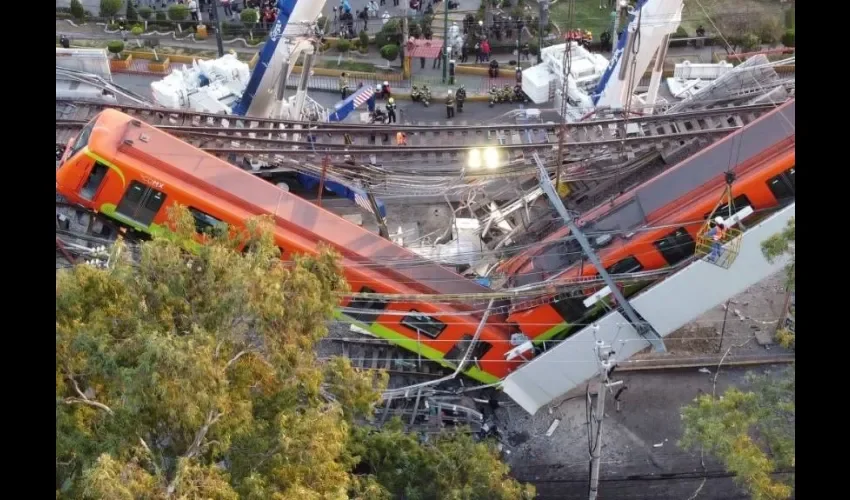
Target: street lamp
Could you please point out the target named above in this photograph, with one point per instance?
(478, 157)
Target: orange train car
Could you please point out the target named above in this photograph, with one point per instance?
(132, 172)
(765, 181)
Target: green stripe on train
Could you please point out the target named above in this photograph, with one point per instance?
(417, 347)
(379, 330)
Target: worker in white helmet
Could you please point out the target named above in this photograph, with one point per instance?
(717, 235)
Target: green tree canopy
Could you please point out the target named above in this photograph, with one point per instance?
(109, 8)
(740, 426)
(776, 246)
(189, 371)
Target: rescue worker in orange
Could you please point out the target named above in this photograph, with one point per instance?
(717, 234)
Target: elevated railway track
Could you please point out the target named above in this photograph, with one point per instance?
(429, 143)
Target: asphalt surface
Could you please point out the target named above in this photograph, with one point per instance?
(474, 113)
(640, 457)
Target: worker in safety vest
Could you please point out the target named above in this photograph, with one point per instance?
(401, 138)
(391, 110)
(717, 235)
(450, 105)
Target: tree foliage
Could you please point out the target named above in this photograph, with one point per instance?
(389, 52)
(450, 466)
(776, 246)
(109, 8)
(739, 426)
(115, 47)
(77, 10)
(189, 372)
(178, 12)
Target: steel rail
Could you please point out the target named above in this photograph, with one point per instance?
(342, 128)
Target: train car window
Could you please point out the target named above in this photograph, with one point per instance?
(784, 185)
(365, 310)
(571, 308)
(627, 265)
(141, 203)
(82, 140)
(423, 323)
(94, 180)
(204, 222)
(455, 354)
(739, 202)
(676, 246)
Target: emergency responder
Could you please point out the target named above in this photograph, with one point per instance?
(391, 110)
(343, 85)
(717, 234)
(493, 70)
(605, 40)
(461, 96)
(450, 106)
(401, 138)
(386, 93)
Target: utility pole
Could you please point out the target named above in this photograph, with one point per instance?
(543, 21)
(217, 23)
(640, 326)
(445, 40)
(405, 57)
(606, 366)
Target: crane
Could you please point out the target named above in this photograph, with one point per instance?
(651, 23)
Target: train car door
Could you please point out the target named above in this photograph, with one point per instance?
(141, 203)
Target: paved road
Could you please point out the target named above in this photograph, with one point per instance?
(649, 416)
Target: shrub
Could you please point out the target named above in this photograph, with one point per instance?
(137, 30)
(343, 45)
(364, 40)
(115, 47)
(161, 16)
(108, 8)
(178, 12)
(390, 33)
(413, 29)
(145, 12)
(750, 42)
(131, 12)
(389, 52)
(788, 38)
(680, 33)
(769, 31)
(77, 10)
(249, 16)
(790, 18)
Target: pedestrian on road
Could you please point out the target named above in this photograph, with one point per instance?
(228, 11)
(193, 9)
(485, 48)
(395, 3)
(450, 106)
(343, 85)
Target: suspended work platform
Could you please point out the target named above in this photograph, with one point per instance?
(667, 306)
